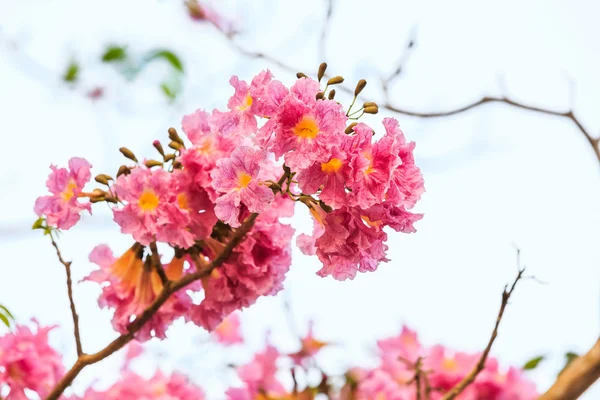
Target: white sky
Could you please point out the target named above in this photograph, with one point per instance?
(494, 176)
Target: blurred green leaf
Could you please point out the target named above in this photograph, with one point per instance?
(533, 363)
(168, 91)
(114, 54)
(166, 55)
(72, 72)
(38, 224)
(570, 356)
(5, 315)
(6, 311)
(5, 320)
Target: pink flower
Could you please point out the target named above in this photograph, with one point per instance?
(259, 377)
(237, 178)
(379, 385)
(62, 208)
(304, 129)
(27, 362)
(329, 176)
(160, 387)
(129, 285)
(256, 268)
(310, 346)
(228, 332)
(151, 213)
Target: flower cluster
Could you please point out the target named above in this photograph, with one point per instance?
(28, 363)
(243, 170)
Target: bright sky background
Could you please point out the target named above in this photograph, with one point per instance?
(494, 176)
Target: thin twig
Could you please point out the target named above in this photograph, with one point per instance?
(470, 378)
(325, 30)
(158, 264)
(74, 314)
(385, 83)
(168, 289)
(577, 377)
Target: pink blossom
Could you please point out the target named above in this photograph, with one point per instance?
(27, 362)
(62, 208)
(159, 387)
(259, 377)
(237, 178)
(129, 285)
(304, 129)
(150, 212)
(228, 332)
(379, 385)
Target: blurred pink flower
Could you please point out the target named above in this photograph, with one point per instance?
(228, 332)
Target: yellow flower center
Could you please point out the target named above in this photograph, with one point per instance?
(307, 128)
(206, 147)
(244, 179)
(68, 193)
(450, 364)
(369, 157)
(182, 201)
(246, 104)
(148, 201)
(332, 166)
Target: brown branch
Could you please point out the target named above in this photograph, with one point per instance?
(325, 29)
(577, 377)
(67, 265)
(158, 264)
(385, 83)
(470, 378)
(169, 288)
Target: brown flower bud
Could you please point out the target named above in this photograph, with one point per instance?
(169, 157)
(103, 179)
(322, 69)
(371, 110)
(360, 86)
(177, 165)
(174, 136)
(300, 75)
(123, 169)
(331, 94)
(152, 163)
(335, 80)
(369, 104)
(96, 199)
(320, 96)
(350, 128)
(158, 147)
(98, 193)
(128, 153)
(175, 145)
(110, 199)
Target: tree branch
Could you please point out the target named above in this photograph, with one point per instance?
(158, 264)
(168, 289)
(325, 29)
(470, 378)
(67, 265)
(577, 377)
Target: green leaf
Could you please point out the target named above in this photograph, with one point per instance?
(168, 91)
(570, 356)
(38, 224)
(5, 320)
(166, 55)
(72, 72)
(6, 311)
(533, 363)
(114, 54)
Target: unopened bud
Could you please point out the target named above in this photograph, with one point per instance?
(360, 86)
(123, 170)
(371, 110)
(322, 69)
(300, 75)
(336, 80)
(177, 165)
(158, 147)
(98, 193)
(175, 145)
(128, 153)
(174, 136)
(320, 96)
(103, 179)
(370, 104)
(152, 163)
(96, 199)
(169, 157)
(331, 94)
(110, 199)
(350, 128)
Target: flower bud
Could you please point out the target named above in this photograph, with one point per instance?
(123, 169)
(320, 96)
(103, 179)
(158, 147)
(152, 163)
(169, 157)
(322, 69)
(177, 165)
(369, 104)
(360, 86)
(98, 193)
(110, 199)
(175, 145)
(300, 75)
(128, 153)
(331, 94)
(174, 136)
(335, 80)
(371, 110)
(350, 128)
(96, 199)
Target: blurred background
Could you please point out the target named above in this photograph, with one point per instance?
(83, 78)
